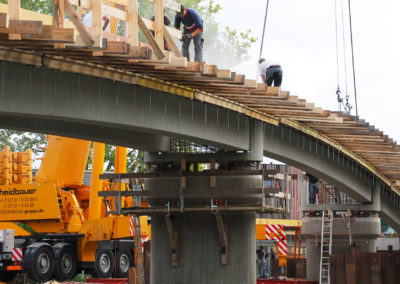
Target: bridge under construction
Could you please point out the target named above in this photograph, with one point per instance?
(62, 78)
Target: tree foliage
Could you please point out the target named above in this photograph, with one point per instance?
(40, 6)
(19, 141)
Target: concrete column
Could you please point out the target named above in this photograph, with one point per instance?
(199, 250)
(313, 259)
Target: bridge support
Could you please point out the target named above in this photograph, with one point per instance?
(356, 231)
(211, 239)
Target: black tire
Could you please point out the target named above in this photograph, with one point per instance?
(104, 264)
(65, 264)
(124, 260)
(7, 276)
(40, 263)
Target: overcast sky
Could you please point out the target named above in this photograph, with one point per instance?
(300, 34)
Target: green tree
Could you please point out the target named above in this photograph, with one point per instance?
(19, 141)
(40, 6)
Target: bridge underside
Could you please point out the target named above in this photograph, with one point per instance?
(74, 105)
(43, 100)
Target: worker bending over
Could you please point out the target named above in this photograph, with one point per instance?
(192, 29)
(270, 72)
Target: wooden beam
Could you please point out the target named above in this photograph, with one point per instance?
(175, 50)
(14, 9)
(58, 13)
(132, 26)
(58, 18)
(173, 240)
(84, 34)
(24, 27)
(3, 20)
(159, 22)
(156, 48)
(97, 18)
(224, 74)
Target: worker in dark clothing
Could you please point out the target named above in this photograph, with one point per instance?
(261, 262)
(192, 29)
(167, 22)
(270, 72)
(312, 188)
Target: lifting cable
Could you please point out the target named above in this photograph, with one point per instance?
(347, 106)
(262, 38)
(263, 33)
(338, 92)
(352, 59)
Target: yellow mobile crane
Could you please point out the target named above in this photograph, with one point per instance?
(55, 225)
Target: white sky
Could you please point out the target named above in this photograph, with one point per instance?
(300, 34)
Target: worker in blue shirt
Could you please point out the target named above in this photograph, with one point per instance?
(192, 29)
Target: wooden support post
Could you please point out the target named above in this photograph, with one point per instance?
(222, 228)
(97, 22)
(133, 37)
(156, 48)
(213, 179)
(14, 12)
(84, 34)
(14, 9)
(173, 240)
(58, 13)
(159, 22)
(175, 50)
(58, 18)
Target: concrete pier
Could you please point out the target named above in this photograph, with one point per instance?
(364, 232)
(199, 252)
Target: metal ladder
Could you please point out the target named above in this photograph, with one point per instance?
(138, 251)
(326, 246)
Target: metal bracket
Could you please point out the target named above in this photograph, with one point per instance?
(168, 207)
(173, 240)
(222, 229)
(212, 206)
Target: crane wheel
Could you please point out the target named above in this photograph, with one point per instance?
(65, 255)
(124, 261)
(39, 262)
(104, 263)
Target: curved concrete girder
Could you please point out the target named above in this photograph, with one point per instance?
(88, 131)
(390, 213)
(297, 149)
(44, 94)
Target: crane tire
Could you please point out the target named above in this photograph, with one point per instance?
(39, 262)
(124, 261)
(104, 264)
(65, 262)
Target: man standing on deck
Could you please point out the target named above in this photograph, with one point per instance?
(270, 72)
(192, 29)
(312, 188)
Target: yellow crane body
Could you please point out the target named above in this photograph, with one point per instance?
(62, 221)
